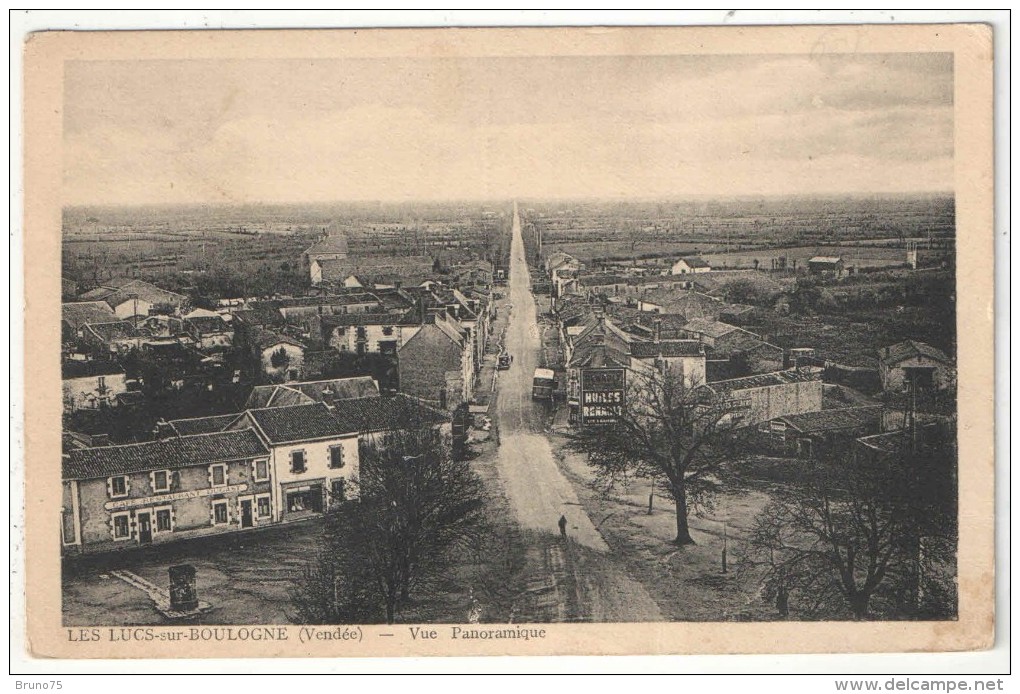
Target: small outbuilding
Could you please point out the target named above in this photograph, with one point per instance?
(690, 265)
(826, 265)
(918, 363)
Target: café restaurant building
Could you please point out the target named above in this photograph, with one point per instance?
(148, 493)
(262, 467)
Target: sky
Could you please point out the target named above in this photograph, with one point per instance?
(291, 131)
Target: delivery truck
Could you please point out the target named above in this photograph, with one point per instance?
(543, 385)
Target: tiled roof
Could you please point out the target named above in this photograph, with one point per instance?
(298, 423)
(706, 326)
(313, 391)
(394, 279)
(685, 302)
(343, 319)
(400, 411)
(890, 442)
(602, 280)
(667, 348)
(116, 293)
(394, 299)
(668, 321)
(201, 313)
(911, 348)
(114, 330)
(776, 378)
(207, 324)
(77, 314)
(168, 454)
(450, 329)
(833, 420)
(593, 355)
(264, 339)
(202, 425)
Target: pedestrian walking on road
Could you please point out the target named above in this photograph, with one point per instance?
(563, 526)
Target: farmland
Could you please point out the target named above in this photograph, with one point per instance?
(172, 243)
(735, 232)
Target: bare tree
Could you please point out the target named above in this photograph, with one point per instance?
(417, 508)
(859, 532)
(668, 430)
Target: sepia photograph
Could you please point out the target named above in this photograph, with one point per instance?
(462, 345)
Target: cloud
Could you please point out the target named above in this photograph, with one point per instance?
(292, 131)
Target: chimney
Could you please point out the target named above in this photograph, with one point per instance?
(658, 330)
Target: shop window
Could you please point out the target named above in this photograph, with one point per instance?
(121, 527)
(261, 472)
(161, 481)
(308, 500)
(164, 521)
(219, 514)
(119, 486)
(297, 461)
(264, 509)
(336, 457)
(217, 475)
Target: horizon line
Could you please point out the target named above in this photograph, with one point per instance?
(512, 198)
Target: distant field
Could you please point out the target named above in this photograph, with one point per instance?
(855, 255)
(858, 257)
(586, 251)
(158, 243)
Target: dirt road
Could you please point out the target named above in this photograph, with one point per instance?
(538, 492)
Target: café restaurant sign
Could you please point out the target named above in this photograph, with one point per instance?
(602, 393)
(193, 494)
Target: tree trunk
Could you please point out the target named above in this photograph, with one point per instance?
(859, 605)
(683, 531)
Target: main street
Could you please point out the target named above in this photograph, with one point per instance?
(537, 490)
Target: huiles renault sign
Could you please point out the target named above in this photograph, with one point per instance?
(602, 393)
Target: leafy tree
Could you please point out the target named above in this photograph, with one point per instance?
(870, 536)
(279, 359)
(418, 509)
(748, 291)
(669, 430)
(805, 295)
